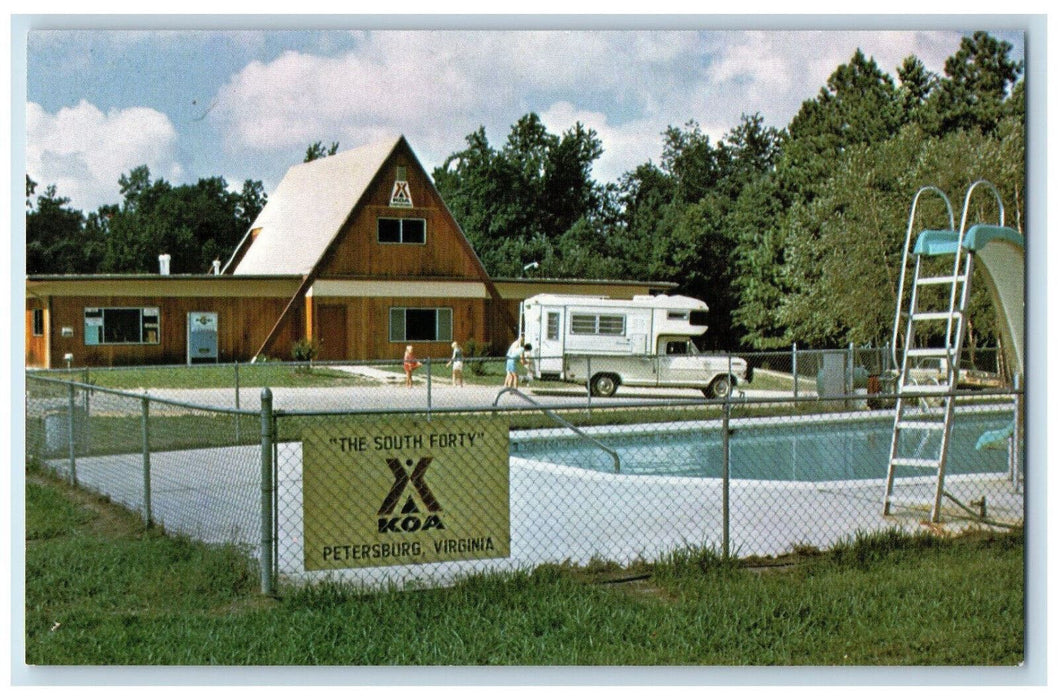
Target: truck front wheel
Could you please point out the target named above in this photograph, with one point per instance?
(603, 385)
(719, 388)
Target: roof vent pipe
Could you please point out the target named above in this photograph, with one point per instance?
(216, 267)
(163, 264)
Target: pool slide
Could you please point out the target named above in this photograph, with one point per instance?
(1000, 255)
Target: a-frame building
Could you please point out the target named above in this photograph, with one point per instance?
(356, 252)
(382, 261)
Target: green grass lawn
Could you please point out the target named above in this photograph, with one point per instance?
(102, 589)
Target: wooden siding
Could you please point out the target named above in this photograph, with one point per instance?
(241, 321)
(357, 251)
(367, 325)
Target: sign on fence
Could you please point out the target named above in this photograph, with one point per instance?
(404, 491)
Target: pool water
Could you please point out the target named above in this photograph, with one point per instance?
(814, 452)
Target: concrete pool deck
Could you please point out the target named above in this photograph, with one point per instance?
(557, 514)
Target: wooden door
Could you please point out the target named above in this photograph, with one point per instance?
(331, 332)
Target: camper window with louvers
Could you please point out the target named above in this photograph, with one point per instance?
(596, 324)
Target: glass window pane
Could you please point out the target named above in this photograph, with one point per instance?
(420, 324)
(444, 324)
(611, 325)
(552, 326)
(121, 326)
(414, 230)
(582, 323)
(396, 325)
(389, 230)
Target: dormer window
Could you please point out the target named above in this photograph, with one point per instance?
(401, 230)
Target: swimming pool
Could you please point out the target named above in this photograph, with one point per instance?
(809, 451)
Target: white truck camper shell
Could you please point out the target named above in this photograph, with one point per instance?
(644, 341)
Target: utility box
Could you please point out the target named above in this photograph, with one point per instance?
(833, 378)
(57, 431)
(202, 337)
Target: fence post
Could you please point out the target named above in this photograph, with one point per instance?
(725, 433)
(587, 382)
(794, 351)
(850, 374)
(429, 386)
(1015, 437)
(87, 428)
(237, 416)
(147, 515)
(72, 436)
(267, 422)
(730, 376)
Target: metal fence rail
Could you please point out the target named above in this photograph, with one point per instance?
(414, 494)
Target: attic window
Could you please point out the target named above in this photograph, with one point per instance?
(401, 230)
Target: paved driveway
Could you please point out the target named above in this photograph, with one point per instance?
(419, 396)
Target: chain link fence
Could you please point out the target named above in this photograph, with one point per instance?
(191, 469)
(385, 485)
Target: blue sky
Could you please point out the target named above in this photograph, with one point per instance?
(244, 104)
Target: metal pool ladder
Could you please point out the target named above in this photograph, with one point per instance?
(924, 411)
(559, 419)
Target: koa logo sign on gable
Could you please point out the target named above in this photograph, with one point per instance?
(404, 491)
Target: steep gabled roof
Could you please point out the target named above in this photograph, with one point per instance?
(307, 210)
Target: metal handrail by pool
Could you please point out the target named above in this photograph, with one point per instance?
(559, 419)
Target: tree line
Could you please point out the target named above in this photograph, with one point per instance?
(790, 235)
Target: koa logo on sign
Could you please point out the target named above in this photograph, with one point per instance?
(401, 195)
(410, 518)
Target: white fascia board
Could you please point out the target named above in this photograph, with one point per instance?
(402, 288)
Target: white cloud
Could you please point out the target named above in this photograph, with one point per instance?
(624, 145)
(437, 86)
(84, 151)
(443, 78)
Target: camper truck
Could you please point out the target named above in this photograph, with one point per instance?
(643, 341)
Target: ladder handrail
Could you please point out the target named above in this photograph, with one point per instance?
(957, 262)
(903, 263)
(559, 419)
(995, 192)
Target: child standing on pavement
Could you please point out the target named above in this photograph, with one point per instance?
(410, 365)
(456, 363)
